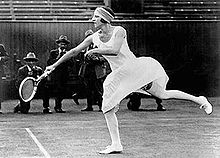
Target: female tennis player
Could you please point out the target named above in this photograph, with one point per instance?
(129, 73)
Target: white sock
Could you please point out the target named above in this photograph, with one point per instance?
(112, 123)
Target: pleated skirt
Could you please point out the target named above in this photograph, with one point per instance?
(130, 77)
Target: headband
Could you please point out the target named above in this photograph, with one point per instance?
(104, 14)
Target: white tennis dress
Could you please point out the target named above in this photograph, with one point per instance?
(129, 73)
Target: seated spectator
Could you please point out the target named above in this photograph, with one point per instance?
(135, 102)
(28, 70)
(3, 58)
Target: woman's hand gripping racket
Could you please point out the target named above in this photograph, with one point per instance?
(28, 86)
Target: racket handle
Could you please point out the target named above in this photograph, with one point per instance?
(45, 74)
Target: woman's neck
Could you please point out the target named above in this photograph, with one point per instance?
(106, 29)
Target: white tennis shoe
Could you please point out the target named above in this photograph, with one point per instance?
(205, 105)
(112, 150)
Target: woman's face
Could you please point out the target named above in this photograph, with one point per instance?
(96, 19)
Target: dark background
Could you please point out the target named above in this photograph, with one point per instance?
(188, 50)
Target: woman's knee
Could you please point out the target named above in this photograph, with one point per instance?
(111, 111)
(159, 93)
(163, 95)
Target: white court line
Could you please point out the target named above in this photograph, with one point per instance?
(38, 143)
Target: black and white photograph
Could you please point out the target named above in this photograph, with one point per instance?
(109, 78)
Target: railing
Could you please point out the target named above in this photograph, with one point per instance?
(195, 9)
(48, 9)
(83, 9)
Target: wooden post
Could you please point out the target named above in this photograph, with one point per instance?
(12, 10)
(107, 3)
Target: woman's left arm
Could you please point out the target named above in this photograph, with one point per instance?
(114, 50)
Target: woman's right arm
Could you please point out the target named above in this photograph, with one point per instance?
(72, 53)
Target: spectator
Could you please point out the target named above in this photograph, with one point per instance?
(135, 102)
(3, 59)
(30, 69)
(58, 77)
(93, 71)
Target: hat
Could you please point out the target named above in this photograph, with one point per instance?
(62, 39)
(2, 48)
(30, 57)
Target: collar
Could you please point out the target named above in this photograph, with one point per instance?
(60, 50)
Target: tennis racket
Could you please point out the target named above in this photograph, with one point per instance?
(28, 86)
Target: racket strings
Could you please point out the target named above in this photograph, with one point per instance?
(27, 89)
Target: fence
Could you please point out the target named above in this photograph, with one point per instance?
(188, 50)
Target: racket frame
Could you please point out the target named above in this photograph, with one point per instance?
(34, 91)
(36, 82)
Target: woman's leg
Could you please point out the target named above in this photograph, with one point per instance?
(112, 124)
(161, 93)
